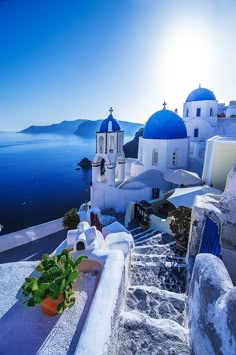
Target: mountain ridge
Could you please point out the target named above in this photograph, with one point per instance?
(81, 127)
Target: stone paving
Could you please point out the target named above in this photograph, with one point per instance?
(154, 318)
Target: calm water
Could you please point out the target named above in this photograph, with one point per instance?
(38, 177)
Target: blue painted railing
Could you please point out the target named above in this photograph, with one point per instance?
(210, 239)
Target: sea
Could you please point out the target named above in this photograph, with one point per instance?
(39, 177)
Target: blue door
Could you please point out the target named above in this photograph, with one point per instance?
(210, 239)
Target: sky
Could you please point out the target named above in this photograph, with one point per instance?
(63, 60)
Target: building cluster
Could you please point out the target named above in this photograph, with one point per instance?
(202, 141)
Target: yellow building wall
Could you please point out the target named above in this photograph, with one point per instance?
(225, 158)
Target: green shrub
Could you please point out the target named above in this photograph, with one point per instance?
(71, 219)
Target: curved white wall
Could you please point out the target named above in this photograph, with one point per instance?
(165, 150)
(205, 106)
(205, 130)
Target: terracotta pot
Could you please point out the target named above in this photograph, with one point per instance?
(144, 226)
(49, 306)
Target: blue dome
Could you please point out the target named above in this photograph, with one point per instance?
(105, 124)
(200, 94)
(165, 124)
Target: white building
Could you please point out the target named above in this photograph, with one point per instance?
(168, 143)
(219, 158)
(231, 110)
(164, 146)
(200, 117)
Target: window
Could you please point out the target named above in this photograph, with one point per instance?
(111, 147)
(109, 126)
(211, 111)
(196, 131)
(102, 167)
(198, 113)
(187, 113)
(155, 193)
(175, 157)
(201, 153)
(155, 157)
(101, 144)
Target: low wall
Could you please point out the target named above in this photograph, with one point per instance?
(100, 330)
(15, 239)
(163, 225)
(90, 327)
(211, 308)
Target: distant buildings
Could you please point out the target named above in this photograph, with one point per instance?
(168, 143)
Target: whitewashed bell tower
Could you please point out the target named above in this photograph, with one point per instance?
(108, 166)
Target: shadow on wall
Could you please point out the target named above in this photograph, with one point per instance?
(212, 308)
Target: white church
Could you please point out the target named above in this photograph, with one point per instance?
(169, 142)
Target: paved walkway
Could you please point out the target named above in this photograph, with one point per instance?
(154, 318)
(33, 250)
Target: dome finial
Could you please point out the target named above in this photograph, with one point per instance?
(111, 110)
(164, 105)
(199, 86)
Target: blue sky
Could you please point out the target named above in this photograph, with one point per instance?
(62, 60)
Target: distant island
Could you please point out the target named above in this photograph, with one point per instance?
(131, 148)
(81, 127)
(64, 127)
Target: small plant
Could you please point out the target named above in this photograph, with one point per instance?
(71, 219)
(55, 283)
(180, 225)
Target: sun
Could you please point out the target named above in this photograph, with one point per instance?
(186, 55)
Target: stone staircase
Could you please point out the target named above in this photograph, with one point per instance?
(154, 318)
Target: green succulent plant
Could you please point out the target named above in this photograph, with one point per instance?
(57, 276)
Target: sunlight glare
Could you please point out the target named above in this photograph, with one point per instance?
(187, 55)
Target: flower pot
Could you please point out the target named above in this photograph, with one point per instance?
(144, 226)
(49, 306)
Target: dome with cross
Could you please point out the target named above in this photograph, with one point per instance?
(201, 94)
(110, 124)
(165, 124)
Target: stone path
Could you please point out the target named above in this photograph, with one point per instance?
(154, 318)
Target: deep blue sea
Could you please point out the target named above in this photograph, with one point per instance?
(38, 177)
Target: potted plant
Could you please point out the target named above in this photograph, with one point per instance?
(144, 224)
(71, 219)
(54, 287)
(180, 220)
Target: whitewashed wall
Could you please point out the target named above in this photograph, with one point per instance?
(205, 106)
(15, 239)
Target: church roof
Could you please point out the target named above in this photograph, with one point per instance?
(200, 94)
(110, 124)
(151, 178)
(165, 124)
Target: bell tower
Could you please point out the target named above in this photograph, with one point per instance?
(108, 166)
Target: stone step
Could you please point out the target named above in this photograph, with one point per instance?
(159, 274)
(153, 249)
(141, 232)
(146, 237)
(156, 303)
(140, 334)
(149, 257)
(161, 239)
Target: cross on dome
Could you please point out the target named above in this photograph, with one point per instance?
(164, 105)
(111, 110)
(199, 86)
